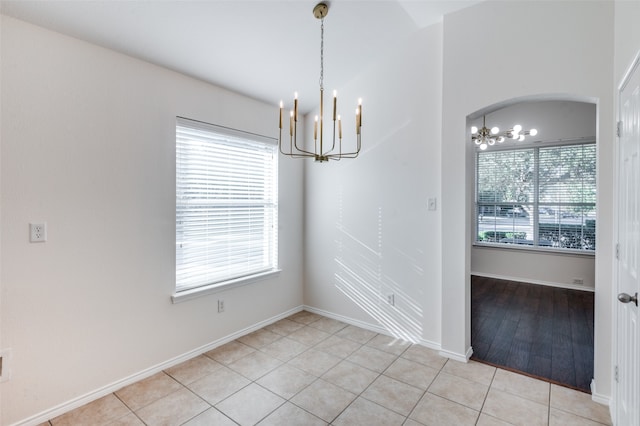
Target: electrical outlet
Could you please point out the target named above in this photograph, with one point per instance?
(220, 306)
(391, 299)
(432, 204)
(578, 281)
(37, 232)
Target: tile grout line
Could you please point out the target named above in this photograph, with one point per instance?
(309, 347)
(360, 395)
(484, 400)
(131, 411)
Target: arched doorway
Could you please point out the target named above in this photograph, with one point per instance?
(532, 254)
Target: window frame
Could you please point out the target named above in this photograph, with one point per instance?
(183, 293)
(536, 147)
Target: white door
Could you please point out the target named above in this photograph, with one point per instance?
(627, 393)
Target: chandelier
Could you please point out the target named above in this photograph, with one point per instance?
(485, 137)
(320, 152)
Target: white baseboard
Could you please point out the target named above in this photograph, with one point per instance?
(119, 384)
(599, 398)
(367, 326)
(531, 281)
(431, 345)
(347, 320)
(457, 356)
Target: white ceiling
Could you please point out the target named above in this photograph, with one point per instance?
(265, 49)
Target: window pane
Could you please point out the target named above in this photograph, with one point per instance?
(560, 215)
(226, 205)
(568, 174)
(507, 224)
(505, 192)
(573, 228)
(505, 177)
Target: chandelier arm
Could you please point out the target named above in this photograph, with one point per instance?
(301, 153)
(353, 154)
(308, 153)
(333, 145)
(295, 142)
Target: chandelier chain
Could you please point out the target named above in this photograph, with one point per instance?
(322, 54)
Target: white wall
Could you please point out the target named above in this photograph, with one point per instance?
(368, 232)
(555, 121)
(544, 50)
(88, 145)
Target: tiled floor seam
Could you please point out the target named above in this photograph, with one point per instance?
(484, 400)
(287, 400)
(131, 411)
(360, 395)
(267, 415)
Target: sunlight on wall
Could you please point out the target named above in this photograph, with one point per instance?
(361, 277)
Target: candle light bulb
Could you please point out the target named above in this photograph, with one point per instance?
(335, 101)
(291, 123)
(315, 128)
(280, 125)
(339, 128)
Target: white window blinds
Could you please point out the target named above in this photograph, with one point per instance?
(226, 205)
(542, 196)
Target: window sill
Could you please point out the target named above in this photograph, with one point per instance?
(540, 250)
(194, 293)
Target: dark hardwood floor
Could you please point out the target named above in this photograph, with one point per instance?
(543, 331)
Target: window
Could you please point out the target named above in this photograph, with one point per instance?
(543, 197)
(226, 205)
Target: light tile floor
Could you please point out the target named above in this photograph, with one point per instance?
(312, 370)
